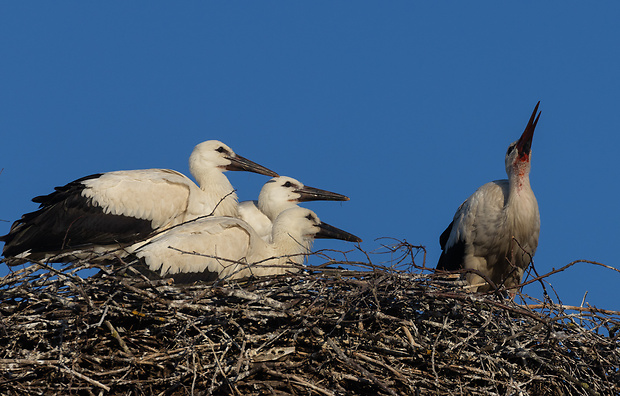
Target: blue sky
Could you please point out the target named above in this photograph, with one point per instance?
(406, 107)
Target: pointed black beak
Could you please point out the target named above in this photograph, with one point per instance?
(330, 232)
(524, 144)
(308, 193)
(239, 163)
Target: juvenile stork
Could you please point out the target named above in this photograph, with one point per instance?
(227, 248)
(495, 231)
(116, 209)
(277, 195)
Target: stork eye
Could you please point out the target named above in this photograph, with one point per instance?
(221, 149)
(510, 148)
(310, 217)
(287, 184)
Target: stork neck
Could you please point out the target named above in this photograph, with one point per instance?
(521, 211)
(208, 178)
(219, 190)
(294, 246)
(519, 183)
(272, 208)
(519, 177)
(520, 192)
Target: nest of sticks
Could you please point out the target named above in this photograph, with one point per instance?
(398, 329)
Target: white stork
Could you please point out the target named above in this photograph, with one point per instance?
(229, 248)
(277, 195)
(116, 209)
(485, 227)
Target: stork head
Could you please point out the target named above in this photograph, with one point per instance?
(214, 154)
(519, 153)
(282, 192)
(304, 225)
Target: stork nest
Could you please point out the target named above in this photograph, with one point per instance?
(385, 330)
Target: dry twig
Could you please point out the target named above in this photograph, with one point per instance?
(383, 330)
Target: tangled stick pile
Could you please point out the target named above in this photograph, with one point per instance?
(328, 331)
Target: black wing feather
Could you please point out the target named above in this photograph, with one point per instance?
(67, 220)
(451, 258)
(179, 278)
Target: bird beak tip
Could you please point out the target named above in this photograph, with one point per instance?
(308, 194)
(525, 141)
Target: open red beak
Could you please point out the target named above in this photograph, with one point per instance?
(524, 144)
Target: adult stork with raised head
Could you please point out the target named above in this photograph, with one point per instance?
(229, 248)
(277, 195)
(116, 209)
(495, 231)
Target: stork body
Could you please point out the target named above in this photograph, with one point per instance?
(229, 248)
(495, 231)
(277, 195)
(116, 209)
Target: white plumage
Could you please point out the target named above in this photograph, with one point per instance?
(118, 208)
(277, 195)
(229, 248)
(484, 229)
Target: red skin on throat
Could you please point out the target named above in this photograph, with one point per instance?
(520, 165)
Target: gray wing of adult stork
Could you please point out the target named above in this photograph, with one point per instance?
(115, 209)
(277, 195)
(229, 248)
(495, 231)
